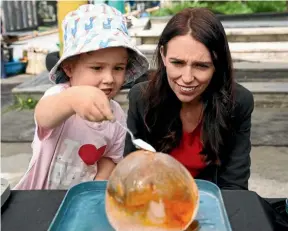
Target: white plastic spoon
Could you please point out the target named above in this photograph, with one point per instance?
(138, 143)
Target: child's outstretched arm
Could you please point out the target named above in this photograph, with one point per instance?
(105, 167)
(88, 102)
(52, 110)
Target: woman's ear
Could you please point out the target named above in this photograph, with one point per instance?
(162, 55)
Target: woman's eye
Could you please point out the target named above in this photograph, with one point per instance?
(97, 68)
(201, 66)
(176, 63)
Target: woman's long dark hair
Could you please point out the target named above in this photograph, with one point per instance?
(162, 115)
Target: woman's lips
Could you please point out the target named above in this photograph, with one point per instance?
(187, 90)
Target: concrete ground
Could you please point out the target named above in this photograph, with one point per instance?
(269, 176)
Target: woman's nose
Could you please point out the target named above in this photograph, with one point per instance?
(188, 75)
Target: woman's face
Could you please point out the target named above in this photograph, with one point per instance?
(189, 67)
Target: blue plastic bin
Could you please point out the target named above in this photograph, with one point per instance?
(14, 68)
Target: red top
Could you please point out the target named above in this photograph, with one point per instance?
(188, 152)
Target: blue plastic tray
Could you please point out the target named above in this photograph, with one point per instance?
(83, 209)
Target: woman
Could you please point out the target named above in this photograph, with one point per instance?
(192, 109)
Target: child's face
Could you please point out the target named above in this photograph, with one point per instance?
(103, 68)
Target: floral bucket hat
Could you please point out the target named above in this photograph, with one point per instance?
(94, 27)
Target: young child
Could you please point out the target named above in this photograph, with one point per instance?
(75, 139)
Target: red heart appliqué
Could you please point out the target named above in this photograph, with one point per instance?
(90, 154)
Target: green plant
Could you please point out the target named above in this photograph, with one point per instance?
(231, 8)
(161, 12)
(177, 7)
(226, 7)
(28, 103)
(267, 6)
(21, 104)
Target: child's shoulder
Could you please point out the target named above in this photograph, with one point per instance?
(56, 89)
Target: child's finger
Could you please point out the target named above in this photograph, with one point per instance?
(94, 117)
(105, 109)
(96, 114)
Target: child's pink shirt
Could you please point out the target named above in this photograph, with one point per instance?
(68, 154)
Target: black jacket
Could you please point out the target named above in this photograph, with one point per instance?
(234, 171)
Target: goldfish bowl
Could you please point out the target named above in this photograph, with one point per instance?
(150, 191)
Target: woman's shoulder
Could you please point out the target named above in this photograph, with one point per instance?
(137, 101)
(138, 89)
(244, 100)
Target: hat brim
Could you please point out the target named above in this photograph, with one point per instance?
(138, 63)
